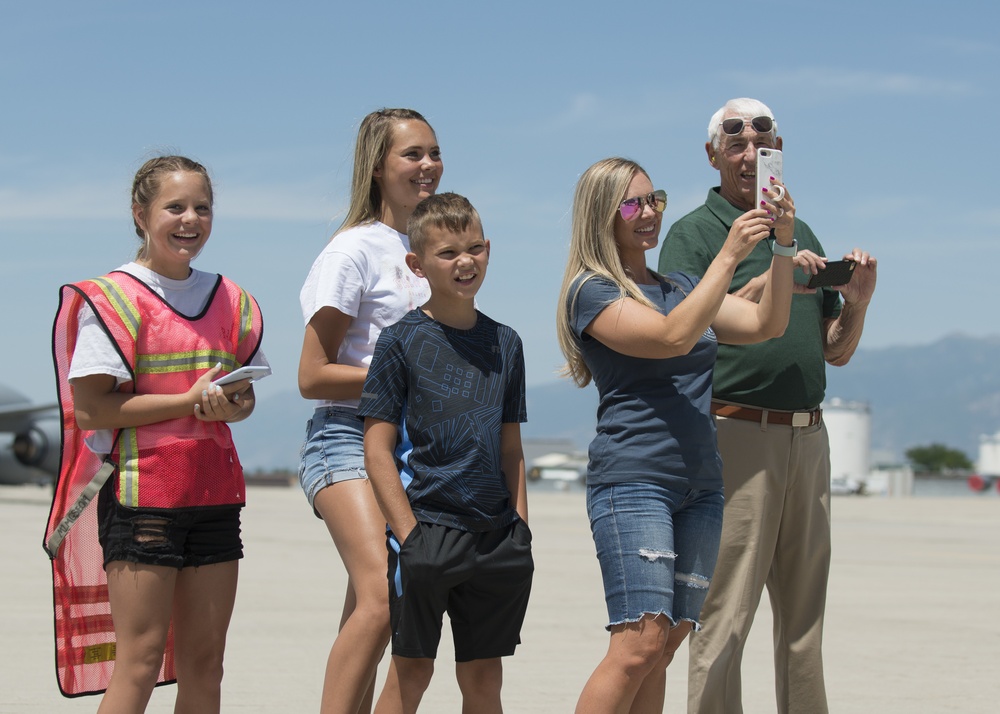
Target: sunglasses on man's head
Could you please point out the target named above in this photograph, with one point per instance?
(734, 125)
(632, 207)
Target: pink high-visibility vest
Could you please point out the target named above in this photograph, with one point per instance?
(179, 463)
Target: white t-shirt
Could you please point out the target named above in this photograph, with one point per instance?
(362, 272)
(95, 353)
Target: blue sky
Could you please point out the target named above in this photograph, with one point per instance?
(885, 109)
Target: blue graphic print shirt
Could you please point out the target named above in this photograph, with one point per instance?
(453, 389)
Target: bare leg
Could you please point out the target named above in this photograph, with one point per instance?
(652, 692)
(350, 602)
(141, 600)
(358, 529)
(405, 685)
(480, 681)
(369, 697)
(635, 650)
(203, 608)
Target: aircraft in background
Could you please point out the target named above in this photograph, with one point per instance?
(32, 455)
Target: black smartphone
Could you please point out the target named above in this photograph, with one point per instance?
(837, 272)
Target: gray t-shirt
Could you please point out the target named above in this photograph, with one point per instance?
(653, 419)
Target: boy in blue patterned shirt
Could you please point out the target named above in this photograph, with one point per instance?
(455, 502)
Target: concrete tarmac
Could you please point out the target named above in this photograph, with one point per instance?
(912, 621)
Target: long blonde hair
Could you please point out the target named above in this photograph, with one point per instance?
(374, 141)
(593, 251)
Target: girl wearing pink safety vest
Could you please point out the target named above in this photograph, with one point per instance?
(145, 431)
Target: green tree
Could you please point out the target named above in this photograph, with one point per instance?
(937, 458)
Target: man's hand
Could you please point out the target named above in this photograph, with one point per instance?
(810, 262)
(859, 291)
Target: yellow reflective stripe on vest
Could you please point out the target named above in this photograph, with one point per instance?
(128, 468)
(246, 315)
(172, 362)
(128, 312)
(104, 652)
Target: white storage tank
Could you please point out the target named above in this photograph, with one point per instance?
(989, 455)
(850, 427)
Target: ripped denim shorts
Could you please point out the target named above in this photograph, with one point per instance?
(174, 538)
(657, 548)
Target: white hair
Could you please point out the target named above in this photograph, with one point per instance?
(744, 107)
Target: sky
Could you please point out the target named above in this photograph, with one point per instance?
(884, 108)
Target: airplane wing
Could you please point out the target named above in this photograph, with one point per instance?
(15, 417)
(17, 412)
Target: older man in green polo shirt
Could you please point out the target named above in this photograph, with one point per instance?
(774, 445)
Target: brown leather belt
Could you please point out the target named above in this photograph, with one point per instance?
(767, 416)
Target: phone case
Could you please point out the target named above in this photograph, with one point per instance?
(838, 272)
(769, 163)
(251, 372)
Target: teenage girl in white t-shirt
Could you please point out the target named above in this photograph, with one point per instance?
(358, 285)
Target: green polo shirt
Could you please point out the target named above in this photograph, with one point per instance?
(788, 372)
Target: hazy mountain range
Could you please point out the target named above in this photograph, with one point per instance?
(946, 392)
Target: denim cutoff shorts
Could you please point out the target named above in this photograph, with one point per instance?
(333, 450)
(657, 548)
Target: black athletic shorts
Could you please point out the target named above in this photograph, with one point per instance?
(482, 580)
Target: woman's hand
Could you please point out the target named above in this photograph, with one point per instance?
(782, 210)
(748, 230)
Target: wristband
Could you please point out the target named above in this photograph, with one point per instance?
(785, 251)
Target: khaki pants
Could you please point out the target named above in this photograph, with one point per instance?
(775, 531)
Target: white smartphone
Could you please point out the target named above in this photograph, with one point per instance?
(769, 163)
(251, 373)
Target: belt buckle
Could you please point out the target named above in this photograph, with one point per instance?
(801, 419)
